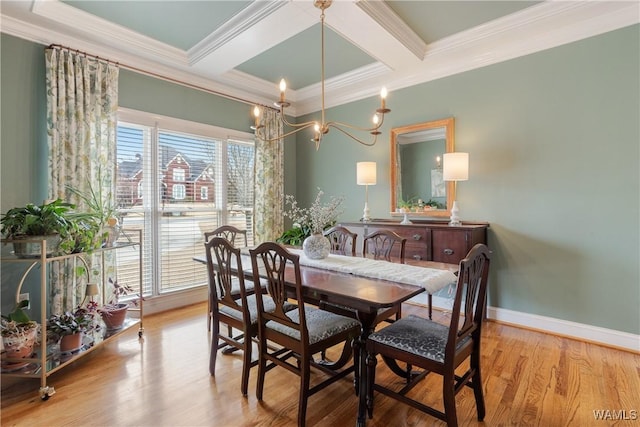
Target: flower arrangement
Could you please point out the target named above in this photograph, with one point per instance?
(315, 218)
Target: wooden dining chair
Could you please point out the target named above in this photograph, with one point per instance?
(381, 243)
(300, 333)
(343, 241)
(235, 236)
(237, 312)
(437, 348)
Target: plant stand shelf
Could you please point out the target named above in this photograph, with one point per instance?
(47, 357)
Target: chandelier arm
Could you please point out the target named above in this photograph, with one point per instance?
(296, 125)
(368, 144)
(307, 125)
(337, 125)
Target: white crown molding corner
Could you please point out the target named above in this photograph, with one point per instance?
(107, 32)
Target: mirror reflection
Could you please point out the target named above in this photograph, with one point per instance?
(416, 168)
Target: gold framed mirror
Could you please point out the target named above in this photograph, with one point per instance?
(416, 168)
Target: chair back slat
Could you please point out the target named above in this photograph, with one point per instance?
(269, 261)
(236, 236)
(222, 259)
(469, 301)
(380, 244)
(343, 241)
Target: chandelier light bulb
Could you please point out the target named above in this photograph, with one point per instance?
(376, 119)
(256, 112)
(383, 93)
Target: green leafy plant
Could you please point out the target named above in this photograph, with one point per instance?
(82, 319)
(294, 236)
(406, 204)
(32, 220)
(434, 204)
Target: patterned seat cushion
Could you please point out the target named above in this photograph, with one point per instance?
(269, 305)
(235, 286)
(320, 323)
(416, 335)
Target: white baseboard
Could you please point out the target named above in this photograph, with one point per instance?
(580, 331)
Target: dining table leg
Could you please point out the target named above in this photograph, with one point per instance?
(367, 321)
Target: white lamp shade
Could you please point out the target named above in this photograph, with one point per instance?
(366, 173)
(455, 167)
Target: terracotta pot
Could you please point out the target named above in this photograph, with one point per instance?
(70, 343)
(114, 316)
(18, 347)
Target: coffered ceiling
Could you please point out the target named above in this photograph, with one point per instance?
(243, 48)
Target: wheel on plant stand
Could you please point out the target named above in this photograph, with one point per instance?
(46, 392)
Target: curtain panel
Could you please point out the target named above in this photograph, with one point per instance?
(269, 180)
(82, 102)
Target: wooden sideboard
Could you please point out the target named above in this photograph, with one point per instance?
(429, 240)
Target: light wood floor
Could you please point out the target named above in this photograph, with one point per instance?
(530, 379)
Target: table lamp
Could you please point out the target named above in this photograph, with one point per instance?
(366, 175)
(455, 168)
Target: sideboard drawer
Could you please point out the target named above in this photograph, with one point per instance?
(449, 246)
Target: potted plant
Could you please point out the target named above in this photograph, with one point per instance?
(19, 335)
(101, 215)
(49, 221)
(114, 312)
(70, 326)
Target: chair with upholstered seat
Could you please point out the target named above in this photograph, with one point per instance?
(343, 241)
(236, 237)
(237, 311)
(300, 333)
(437, 348)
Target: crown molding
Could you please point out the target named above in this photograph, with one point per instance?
(101, 30)
(388, 19)
(540, 27)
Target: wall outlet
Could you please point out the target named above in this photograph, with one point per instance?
(23, 297)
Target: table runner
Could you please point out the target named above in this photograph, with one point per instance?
(431, 279)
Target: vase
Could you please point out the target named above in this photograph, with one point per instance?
(71, 343)
(316, 246)
(114, 316)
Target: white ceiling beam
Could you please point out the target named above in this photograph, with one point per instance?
(356, 25)
(281, 23)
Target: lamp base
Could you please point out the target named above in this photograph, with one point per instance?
(455, 219)
(366, 217)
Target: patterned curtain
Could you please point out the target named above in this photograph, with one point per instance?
(82, 102)
(269, 181)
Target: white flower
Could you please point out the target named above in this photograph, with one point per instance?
(317, 216)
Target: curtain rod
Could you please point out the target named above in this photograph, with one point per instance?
(159, 76)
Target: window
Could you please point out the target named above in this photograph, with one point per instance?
(175, 181)
(178, 191)
(178, 175)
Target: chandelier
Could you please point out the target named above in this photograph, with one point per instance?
(322, 127)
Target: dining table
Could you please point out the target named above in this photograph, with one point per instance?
(363, 285)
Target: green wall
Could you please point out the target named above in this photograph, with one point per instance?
(554, 153)
(553, 140)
